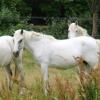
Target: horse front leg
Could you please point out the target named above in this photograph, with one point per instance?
(19, 70)
(44, 69)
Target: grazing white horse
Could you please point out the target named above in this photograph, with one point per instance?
(49, 51)
(75, 30)
(6, 56)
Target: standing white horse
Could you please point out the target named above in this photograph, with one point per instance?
(75, 30)
(49, 51)
(6, 56)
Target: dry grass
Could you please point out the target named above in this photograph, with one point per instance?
(64, 89)
(89, 83)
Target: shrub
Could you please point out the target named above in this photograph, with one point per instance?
(8, 18)
(57, 28)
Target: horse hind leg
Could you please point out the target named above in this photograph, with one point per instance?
(8, 72)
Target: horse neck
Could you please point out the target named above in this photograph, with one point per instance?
(33, 43)
(26, 39)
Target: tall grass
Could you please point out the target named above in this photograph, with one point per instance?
(88, 89)
(64, 89)
(89, 82)
(61, 87)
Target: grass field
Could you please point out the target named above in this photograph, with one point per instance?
(33, 82)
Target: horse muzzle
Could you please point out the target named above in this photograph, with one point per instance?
(16, 54)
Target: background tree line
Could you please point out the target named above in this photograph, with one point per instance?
(20, 12)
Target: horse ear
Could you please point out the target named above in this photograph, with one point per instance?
(21, 31)
(76, 22)
(69, 22)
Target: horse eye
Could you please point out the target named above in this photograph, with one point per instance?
(20, 41)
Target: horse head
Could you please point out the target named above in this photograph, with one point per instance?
(75, 30)
(18, 42)
(72, 29)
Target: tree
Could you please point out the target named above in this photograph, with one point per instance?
(94, 6)
(20, 6)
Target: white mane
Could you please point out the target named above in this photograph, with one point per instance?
(81, 31)
(38, 35)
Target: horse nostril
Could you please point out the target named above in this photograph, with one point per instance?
(16, 54)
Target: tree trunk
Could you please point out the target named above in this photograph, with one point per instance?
(95, 9)
(95, 24)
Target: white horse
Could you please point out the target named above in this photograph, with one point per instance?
(6, 56)
(75, 30)
(49, 51)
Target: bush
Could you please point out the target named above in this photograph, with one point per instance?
(8, 18)
(58, 28)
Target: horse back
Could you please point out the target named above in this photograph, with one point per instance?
(6, 47)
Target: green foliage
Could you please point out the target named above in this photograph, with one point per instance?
(11, 13)
(64, 8)
(21, 6)
(58, 28)
(7, 19)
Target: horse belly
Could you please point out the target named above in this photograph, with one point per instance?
(61, 64)
(62, 61)
(64, 53)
